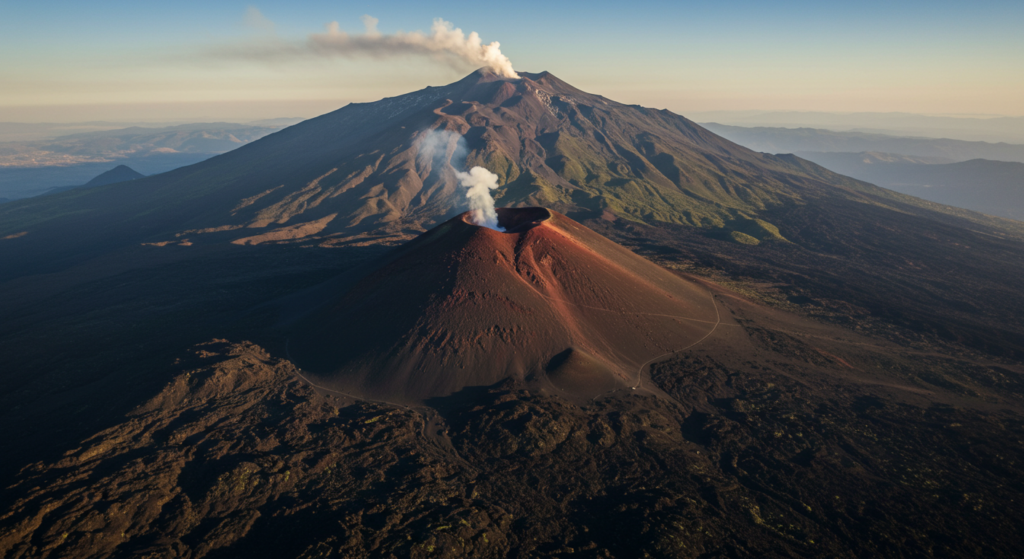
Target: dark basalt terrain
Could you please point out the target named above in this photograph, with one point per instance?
(776, 435)
(859, 392)
(764, 442)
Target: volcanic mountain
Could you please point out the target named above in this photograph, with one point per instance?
(464, 305)
(852, 387)
(387, 169)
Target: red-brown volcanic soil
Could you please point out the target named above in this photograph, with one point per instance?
(464, 305)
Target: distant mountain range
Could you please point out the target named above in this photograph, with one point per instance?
(979, 176)
(121, 173)
(991, 187)
(972, 128)
(216, 137)
(793, 140)
(32, 168)
(42, 131)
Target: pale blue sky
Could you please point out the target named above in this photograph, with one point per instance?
(117, 59)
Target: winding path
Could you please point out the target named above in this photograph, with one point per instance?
(649, 362)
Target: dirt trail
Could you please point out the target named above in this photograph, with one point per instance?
(641, 371)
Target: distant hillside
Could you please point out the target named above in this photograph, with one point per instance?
(44, 131)
(216, 137)
(991, 187)
(875, 157)
(794, 140)
(121, 173)
(25, 182)
(975, 129)
(32, 168)
(39, 131)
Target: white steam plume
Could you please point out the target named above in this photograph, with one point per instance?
(448, 146)
(480, 183)
(438, 143)
(445, 42)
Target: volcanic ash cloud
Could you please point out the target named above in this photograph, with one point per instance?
(444, 42)
(480, 182)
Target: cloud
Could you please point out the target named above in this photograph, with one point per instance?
(446, 145)
(254, 19)
(445, 43)
(370, 23)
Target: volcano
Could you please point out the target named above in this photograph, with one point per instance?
(546, 300)
(388, 169)
(852, 387)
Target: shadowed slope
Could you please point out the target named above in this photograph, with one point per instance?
(121, 173)
(464, 305)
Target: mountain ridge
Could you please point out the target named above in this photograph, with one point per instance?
(361, 170)
(794, 140)
(983, 185)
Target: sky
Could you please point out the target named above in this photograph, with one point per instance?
(189, 60)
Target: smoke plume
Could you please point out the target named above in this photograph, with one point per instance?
(441, 144)
(448, 147)
(480, 182)
(445, 42)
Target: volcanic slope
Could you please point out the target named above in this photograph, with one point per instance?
(387, 168)
(463, 305)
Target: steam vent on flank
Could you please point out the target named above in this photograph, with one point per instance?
(546, 300)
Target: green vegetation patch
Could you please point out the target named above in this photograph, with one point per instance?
(763, 230)
(748, 232)
(532, 189)
(496, 162)
(743, 238)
